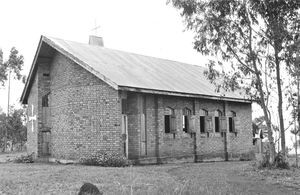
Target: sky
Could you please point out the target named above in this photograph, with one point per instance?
(145, 27)
(141, 26)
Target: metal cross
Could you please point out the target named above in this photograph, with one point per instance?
(96, 27)
(32, 118)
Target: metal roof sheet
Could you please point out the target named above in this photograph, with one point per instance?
(139, 71)
(123, 69)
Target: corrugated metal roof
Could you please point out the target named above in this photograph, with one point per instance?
(139, 71)
(121, 69)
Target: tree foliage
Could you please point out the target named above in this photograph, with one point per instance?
(14, 64)
(14, 124)
(250, 40)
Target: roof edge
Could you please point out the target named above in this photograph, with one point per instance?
(172, 93)
(80, 62)
(29, 78)
(44, 39)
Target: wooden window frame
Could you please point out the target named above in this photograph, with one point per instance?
(217, 121)
(202, 121)
(170, 117)
(186, 114)
(231, 122)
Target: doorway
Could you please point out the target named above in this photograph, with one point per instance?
(46, 140)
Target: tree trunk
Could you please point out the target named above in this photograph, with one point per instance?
(296, 148)
(262, 96)
(298, 117)
(280, 114)
(8, 98)
(267, 118)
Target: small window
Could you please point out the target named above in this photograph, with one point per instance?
(45, 100)
(185, 123)
(202, 124)
(231, 118)
(185, 119)
(230, 124)
(170, 120)
(203, 114)
(167, 124)
(217, 124)
(218, 113)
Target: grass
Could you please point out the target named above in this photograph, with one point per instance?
(5, 157)
(188, 178)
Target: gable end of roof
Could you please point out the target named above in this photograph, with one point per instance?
(31, 75)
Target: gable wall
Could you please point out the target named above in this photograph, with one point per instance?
(160, 144)
(85, 112)
(43, 88)
(40, 87)
(32, 135)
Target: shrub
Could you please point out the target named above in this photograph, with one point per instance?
(25, 159)
(264, 161)
(280, 162)
(247, 157)
(106, 159)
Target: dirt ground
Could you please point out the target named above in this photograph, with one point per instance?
(188, 178)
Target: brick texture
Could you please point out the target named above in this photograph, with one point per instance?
(182, 144)
(86, 118)
(85, 111)
(32, 134)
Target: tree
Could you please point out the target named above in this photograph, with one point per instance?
(12, 67)
(14, 64)
(282, 30)
(295, 132)
(294, 99)
(251, 41)
(14, 126)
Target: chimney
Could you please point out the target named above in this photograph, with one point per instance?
(94, 40)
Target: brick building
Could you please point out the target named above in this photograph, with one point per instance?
(84, 98)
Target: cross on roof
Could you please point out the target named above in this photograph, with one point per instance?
(96, 28)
